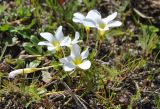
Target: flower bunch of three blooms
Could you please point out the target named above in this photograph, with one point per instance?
(76, 59)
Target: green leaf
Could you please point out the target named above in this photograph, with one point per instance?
(19, 63)
(34, 39)
(1, 74)
(23, 12)
(33, 22)
(115, 32)
(34, 64)
(5, 27)
(29, 48)
(18, 2)
(2, 8)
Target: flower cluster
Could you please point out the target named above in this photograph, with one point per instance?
(94, 19)
(76, 59)
(55, 43)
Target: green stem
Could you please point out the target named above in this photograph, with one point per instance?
(88, 32)
(96, 48)
(3, 51)
(99, 45)
(87, 41)
(43, 68)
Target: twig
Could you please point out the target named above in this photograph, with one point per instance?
(78, 101)
(28, 56)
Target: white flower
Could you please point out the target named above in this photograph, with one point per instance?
(94, 19)
(46, 76)
(75, 40)
(76, 59)
(79, 18)
(54, 43)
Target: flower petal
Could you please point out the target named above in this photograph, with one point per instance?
(15, 72)
(110, 17)
(75, 40)
(51, 48)
(65, 60)
(75, 51)
(89, 23)
(102, 30)
(106, 28)
(85, 65)
(48, 36)
(114, 24)
(85, 53)
(68, 67)
(59, 34)
(78, 17)
(66, 41)
(76, 20)
(44, 43)
(93, 15)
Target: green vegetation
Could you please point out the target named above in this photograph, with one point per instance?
(124, 69)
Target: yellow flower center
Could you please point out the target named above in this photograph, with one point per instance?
(87, 29)
(102, 25)
(77, 61)
(56, 44)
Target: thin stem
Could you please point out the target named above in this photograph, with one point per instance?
(96, 48)
(87, 38)
(43, 68)
(3, 51)
(99, 45)
(88, 32)
(156, 56)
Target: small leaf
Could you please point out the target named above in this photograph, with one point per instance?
(29, 48)
(34, 39)
(33, 22)
(5, 27)
(34, 63)
(141, 14)
(2, 8)
(19, 63)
